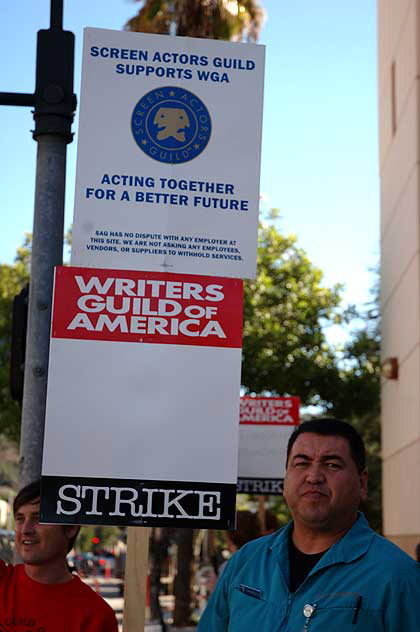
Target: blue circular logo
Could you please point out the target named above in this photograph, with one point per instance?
(171, 125)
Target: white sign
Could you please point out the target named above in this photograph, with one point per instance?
(143, 399)
(266, 424)
(168, 154)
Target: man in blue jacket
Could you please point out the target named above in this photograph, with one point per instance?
(326, 570)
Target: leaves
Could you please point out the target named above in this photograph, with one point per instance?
(12, 279)
(285, 351)
(284, 345)
(216, 19)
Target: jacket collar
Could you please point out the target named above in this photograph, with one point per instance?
(351, 546)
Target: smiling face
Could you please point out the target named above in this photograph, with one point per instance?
(323, 487)
(40, 545)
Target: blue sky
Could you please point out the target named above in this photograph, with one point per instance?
(320, 145)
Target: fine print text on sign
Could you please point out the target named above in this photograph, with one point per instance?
(144, 379)
(168, 154)
(266, 424)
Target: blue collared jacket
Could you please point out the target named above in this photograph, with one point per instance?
(363, 583)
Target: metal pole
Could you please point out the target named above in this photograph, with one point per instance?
(13, 98)
(47, 252)
(56, 14)
(54, 107)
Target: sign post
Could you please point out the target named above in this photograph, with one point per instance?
(108, 329)
(136, 579)
(147, 364)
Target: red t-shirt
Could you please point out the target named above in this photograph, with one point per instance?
(29, 606)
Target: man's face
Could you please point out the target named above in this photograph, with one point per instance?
(322, 487)
(39, 544)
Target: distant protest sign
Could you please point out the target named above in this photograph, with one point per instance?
(266, 424)
(143, 399)
(168, 158)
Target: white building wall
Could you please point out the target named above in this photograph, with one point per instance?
(398, 72)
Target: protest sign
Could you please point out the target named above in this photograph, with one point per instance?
(143, 399)
(266, 424)
(168, 155)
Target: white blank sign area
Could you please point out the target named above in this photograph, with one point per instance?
(262, 451)
(143, 411)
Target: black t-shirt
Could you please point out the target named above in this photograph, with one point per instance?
(301, 565)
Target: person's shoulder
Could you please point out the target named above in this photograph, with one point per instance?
(262, 552)
(87, 592)
(92, 597)
(265, 541)
(259, 546)
(392, 557)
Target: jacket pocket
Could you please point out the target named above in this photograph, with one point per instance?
(346, 615)
(252, 613)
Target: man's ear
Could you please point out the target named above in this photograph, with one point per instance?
(71, 530)
(363, 477)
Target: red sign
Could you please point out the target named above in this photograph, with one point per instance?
(269, 411)
(151, 307)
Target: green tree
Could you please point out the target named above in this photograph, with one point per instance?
(358, 398)
(285, 350)
(12, 279)
(286, 308)
(216, 19)
(350, 390)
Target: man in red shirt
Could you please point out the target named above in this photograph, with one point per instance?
(41, 594)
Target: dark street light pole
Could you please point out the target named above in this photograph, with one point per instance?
(54, 105)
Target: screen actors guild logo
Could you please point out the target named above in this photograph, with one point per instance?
(171, 125)
(171, 122)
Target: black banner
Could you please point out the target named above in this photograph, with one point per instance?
(128, 502)
(261, 486)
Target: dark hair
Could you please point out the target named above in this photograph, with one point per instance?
(29, 494)
(247, 528)
(327, 426)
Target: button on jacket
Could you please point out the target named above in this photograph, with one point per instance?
(362, 583)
